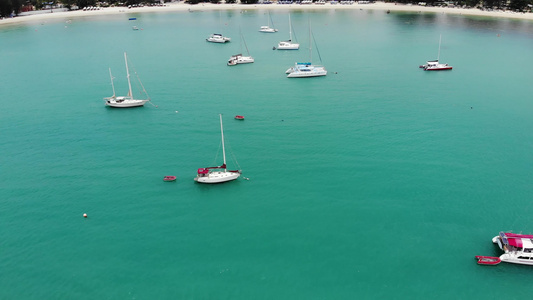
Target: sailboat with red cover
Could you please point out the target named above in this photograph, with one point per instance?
(220, 173)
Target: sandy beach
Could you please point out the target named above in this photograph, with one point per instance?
(180, 6)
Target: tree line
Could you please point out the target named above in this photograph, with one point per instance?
(9, 7)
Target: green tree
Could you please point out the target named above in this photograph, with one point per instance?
(85, 3)
(494, 3)
(17, 5)
(68, 3)
(520, 5)
(6, 8)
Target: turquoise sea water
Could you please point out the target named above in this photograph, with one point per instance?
(377, 181)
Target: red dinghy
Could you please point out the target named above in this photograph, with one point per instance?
(487, 260)
(169, 178)
(239, 117)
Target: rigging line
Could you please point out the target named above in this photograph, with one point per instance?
(294, 33)
(216, 155)
(141, 84)
(316, 47)
(233, 158)
(244, 41)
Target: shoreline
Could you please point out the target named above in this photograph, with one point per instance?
(177, 7)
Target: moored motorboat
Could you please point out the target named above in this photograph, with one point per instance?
(169, 178)
(488, 260)
(238, 117)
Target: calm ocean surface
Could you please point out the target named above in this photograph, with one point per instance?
(379, 181)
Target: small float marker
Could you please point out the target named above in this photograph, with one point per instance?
(85, 215)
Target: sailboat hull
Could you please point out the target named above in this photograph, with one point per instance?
(218, 38)
(124, 103)
(310, 71)
(239, 59)
(288, 46)
(217, 177)
(268, 30)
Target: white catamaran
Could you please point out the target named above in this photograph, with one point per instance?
(239, 58)
(435, 65)
(125, 101)
(307, 69)
(218, 37)
(267, 28)
(289, 44)
(217, 174)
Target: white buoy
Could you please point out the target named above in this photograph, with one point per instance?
(85, 215)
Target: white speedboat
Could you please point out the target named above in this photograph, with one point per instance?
(517, 248)
(217, 174)
(125, 101)
(218, 38)
(289, 44)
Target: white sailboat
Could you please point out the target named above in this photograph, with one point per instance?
(239, 58)
(288, 45)
(268, 29)
(435, 65)
(217, 174)
(307, 69)
(125, 101)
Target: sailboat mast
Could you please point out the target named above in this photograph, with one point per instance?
(290, 28)
(310, 44)
(128, 73)
(223, 149)
(112, 84)
(438, 55)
